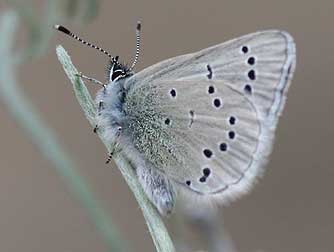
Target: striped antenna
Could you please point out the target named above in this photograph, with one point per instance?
(138, 28)
(69, 33)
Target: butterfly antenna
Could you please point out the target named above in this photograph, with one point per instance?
(138, 28)
(69, 33)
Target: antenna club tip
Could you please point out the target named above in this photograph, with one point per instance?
(138, 25)
(62, 29)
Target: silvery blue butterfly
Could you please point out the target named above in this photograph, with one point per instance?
(201, 125)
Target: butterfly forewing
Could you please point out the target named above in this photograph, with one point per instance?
(209, 116)
(260, 64)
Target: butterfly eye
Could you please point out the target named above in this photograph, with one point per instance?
(116, 74)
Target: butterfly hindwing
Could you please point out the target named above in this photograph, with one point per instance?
(197, 142)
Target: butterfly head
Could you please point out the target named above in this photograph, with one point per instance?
(117, 70)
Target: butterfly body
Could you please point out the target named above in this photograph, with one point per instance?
(117, 123)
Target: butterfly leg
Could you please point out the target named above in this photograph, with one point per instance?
(158, 189)
(96, 128)
(99, 109)
(109, 157)
(119, 128)
(95, 81)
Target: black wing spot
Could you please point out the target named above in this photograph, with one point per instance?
(206, 172)
(209, 75)
(208, 153)
(231, 134)
(167, 121)
(192, 116)
(251, 75)
(202, 179)
(188, 182)
(232, 120)
(248, 89)
(117, 74)
(217, 102)
(211, 89)
(244, 49)
(173, 92)
(251, 61)
(223, 147)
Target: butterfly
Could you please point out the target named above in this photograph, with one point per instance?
(199, 126)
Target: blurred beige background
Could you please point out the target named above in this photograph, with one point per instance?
(292, 207)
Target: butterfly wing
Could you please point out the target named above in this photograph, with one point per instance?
(207, 119)
(256, 63)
